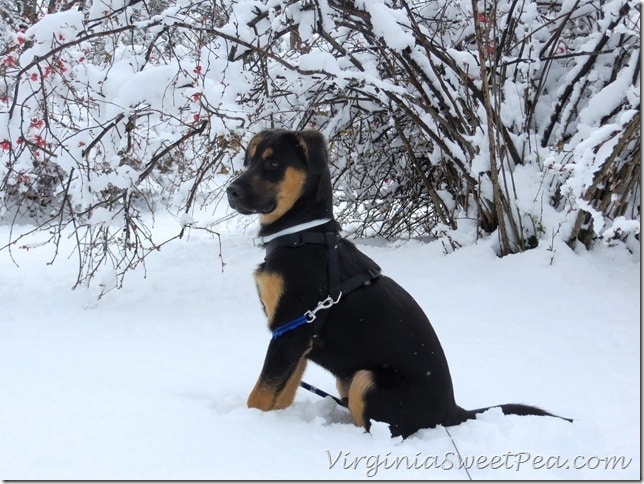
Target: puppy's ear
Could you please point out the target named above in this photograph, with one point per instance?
(313, 145)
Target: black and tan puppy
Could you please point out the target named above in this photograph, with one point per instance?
(371, 334)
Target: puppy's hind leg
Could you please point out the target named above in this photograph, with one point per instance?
(361, 383)
(406, 405)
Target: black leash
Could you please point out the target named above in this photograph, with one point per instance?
(321, 393)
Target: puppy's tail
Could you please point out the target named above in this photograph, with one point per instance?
(507, 409)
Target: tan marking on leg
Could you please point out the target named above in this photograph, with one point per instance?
(287, 394)
(288, 192)
(265, 397)
(270, 286)
(361, 383)
(262, 397)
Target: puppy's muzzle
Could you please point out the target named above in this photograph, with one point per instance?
(244, 198)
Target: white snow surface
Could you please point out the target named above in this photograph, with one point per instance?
(151, 381)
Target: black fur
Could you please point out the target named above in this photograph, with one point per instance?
(379, 328)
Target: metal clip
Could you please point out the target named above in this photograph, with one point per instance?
(325, 304)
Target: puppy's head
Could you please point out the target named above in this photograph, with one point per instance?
(283, 169)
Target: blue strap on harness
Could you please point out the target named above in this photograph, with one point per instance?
(290, 326)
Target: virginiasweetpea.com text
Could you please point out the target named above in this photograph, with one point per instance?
(516, 461)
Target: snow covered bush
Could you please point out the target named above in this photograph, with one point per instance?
(457, 120)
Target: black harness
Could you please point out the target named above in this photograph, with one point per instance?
(337, 287)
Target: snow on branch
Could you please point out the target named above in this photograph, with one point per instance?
(455, 120)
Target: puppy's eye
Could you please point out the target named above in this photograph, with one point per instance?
(271, 164)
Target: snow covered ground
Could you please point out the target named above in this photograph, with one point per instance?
(151, 381)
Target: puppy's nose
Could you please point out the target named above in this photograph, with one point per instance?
(234, 192)
(236, 195)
